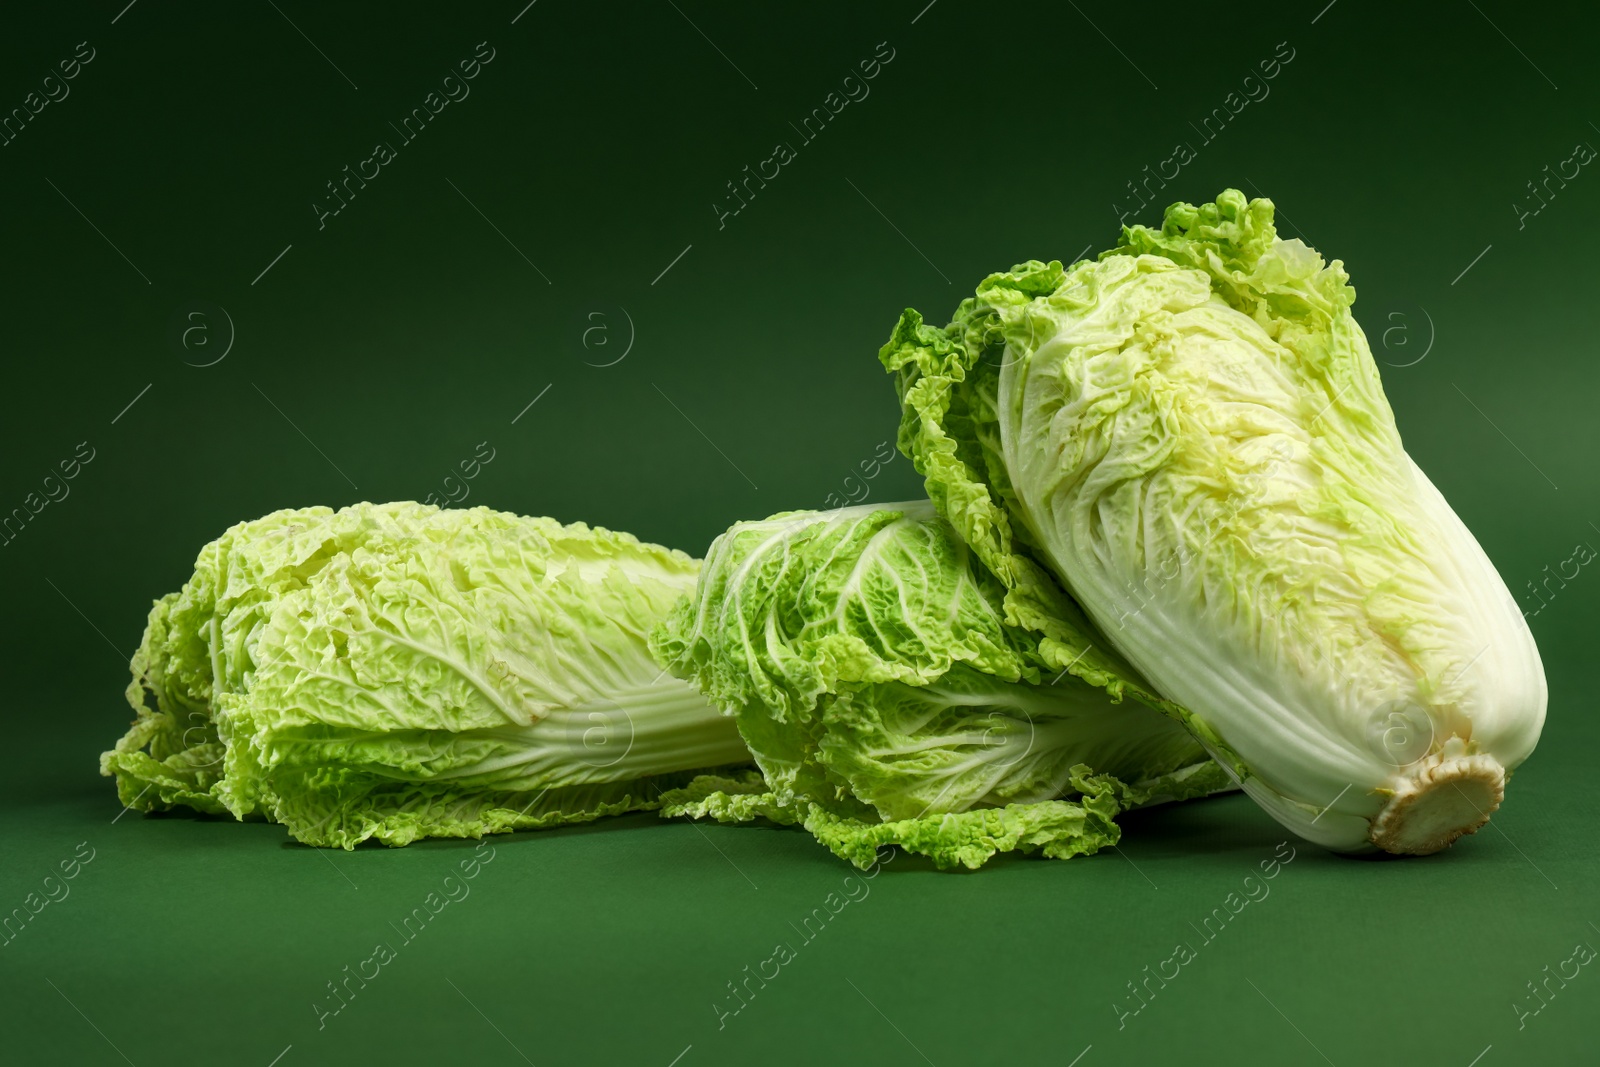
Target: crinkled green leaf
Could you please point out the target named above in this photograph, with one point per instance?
(728, 800)
(875, 680)
(1190, 435)
(396, 671)
(1058, 829)
(947, 380)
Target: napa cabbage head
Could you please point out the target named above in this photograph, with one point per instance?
(1189, 435)
(399, 671)
(885, 701)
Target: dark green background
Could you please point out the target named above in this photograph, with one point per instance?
(408, 330)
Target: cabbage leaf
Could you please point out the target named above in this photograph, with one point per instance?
(1190, 437)
(886, 701)
(399, 671)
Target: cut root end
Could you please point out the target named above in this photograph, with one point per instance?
(1438, 800)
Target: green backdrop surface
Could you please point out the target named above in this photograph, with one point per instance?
(552, 260)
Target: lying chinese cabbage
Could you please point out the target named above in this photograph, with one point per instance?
(1190, 436)
(396, 671)
(886, 702)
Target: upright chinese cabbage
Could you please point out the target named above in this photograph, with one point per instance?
(396, 671)
(1190, 436)
(885, 701)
